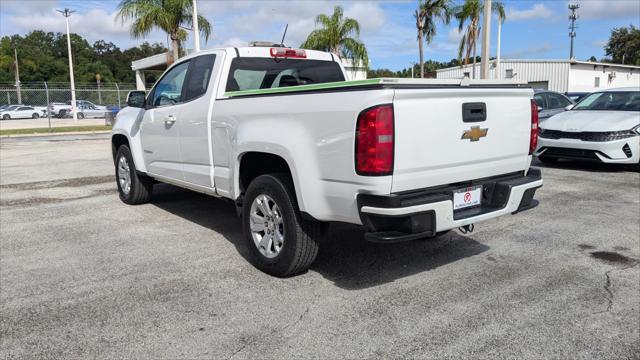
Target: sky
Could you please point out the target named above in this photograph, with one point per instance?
(533, 29)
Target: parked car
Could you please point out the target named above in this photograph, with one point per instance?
(87, 109)
(55, 108)
(20, 112)
(550, 103)
(9, 107)
(576, 96)
(238, 123)
(604, 126)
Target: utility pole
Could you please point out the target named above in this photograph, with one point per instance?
(572, 28)
(66, 13)
(98, 78)
(196, 32)
(18, 90)
(486, 40)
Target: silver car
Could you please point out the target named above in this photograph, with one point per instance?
(551, 103)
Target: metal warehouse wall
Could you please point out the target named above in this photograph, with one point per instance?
(556, 73)
(585, 77)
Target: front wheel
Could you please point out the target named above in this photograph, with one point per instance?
(281, 243)
(133, 188)
(35, 116)
(80, 116)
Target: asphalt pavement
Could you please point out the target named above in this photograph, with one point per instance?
(84, 275)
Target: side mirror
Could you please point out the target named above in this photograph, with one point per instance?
(569, 107)
(136, 99)
(540, 109)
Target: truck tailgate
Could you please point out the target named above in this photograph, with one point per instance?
(430, 149)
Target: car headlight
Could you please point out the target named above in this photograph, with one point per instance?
(636, 129)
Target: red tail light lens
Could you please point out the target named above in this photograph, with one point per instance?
(533, 141)
(374, 141)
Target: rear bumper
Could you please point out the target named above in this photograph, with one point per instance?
(423, 213)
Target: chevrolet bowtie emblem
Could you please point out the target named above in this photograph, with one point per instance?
(474, 134)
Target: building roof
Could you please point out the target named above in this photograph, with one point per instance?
(594, 63)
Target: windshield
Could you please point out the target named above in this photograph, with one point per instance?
(263, 73)
(611, 101)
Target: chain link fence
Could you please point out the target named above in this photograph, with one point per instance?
(46, 98)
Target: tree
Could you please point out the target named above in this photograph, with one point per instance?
(168, 15)
(471, 11)
(624, 45)
(338, 35)
(426, 15)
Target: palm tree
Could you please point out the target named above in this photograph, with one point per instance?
(338, 35)
(168, 15)
(471, 11)
(426, 15)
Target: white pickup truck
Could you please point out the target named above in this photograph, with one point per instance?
(280, 133)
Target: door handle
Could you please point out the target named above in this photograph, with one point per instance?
(169, 120)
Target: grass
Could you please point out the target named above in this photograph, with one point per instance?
(55, 130)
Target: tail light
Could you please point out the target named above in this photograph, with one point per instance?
(533, 141)
(374, 141)
(288, 53)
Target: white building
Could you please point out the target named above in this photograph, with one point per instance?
(556, 75)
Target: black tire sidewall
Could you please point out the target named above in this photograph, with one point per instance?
(6, 117)
(123, 150)
(35, 116)
(279, 192)
(80, 116)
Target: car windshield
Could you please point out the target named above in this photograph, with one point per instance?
(611, 101)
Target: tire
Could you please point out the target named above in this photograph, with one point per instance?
(80, 116)
(300, 237)
(140, 187)
(6, 117)
(35, 116)
(547, 160)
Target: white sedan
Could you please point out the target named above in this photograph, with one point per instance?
(604, 126)
(21, 112)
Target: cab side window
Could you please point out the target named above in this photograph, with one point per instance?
(168, 91)
(199, 76)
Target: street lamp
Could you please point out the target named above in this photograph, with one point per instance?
(66, 13)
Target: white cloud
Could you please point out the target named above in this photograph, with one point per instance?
(609, 9)
(370, 16)
(538, 11)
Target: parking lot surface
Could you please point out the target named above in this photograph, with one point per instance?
(83, 275)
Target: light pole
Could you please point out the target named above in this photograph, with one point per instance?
(486, 33)
(196, 32)
(497, 73)
(572, 33)
(66, 13)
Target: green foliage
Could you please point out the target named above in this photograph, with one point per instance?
(624, 43)
(42, 56)
(426, 15)
(338, 35)
(471, 11)
(168, 15)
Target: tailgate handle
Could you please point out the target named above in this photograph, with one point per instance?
(474, 112)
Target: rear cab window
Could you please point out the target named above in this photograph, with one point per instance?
(252, 73)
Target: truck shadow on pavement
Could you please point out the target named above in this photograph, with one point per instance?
(345, 258)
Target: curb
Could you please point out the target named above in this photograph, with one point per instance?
(55, 134)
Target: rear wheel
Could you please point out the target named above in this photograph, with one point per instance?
(548, 160)
(35, 116)
(6, 117)
(80, 116)
(281, 243)
(133, 188)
